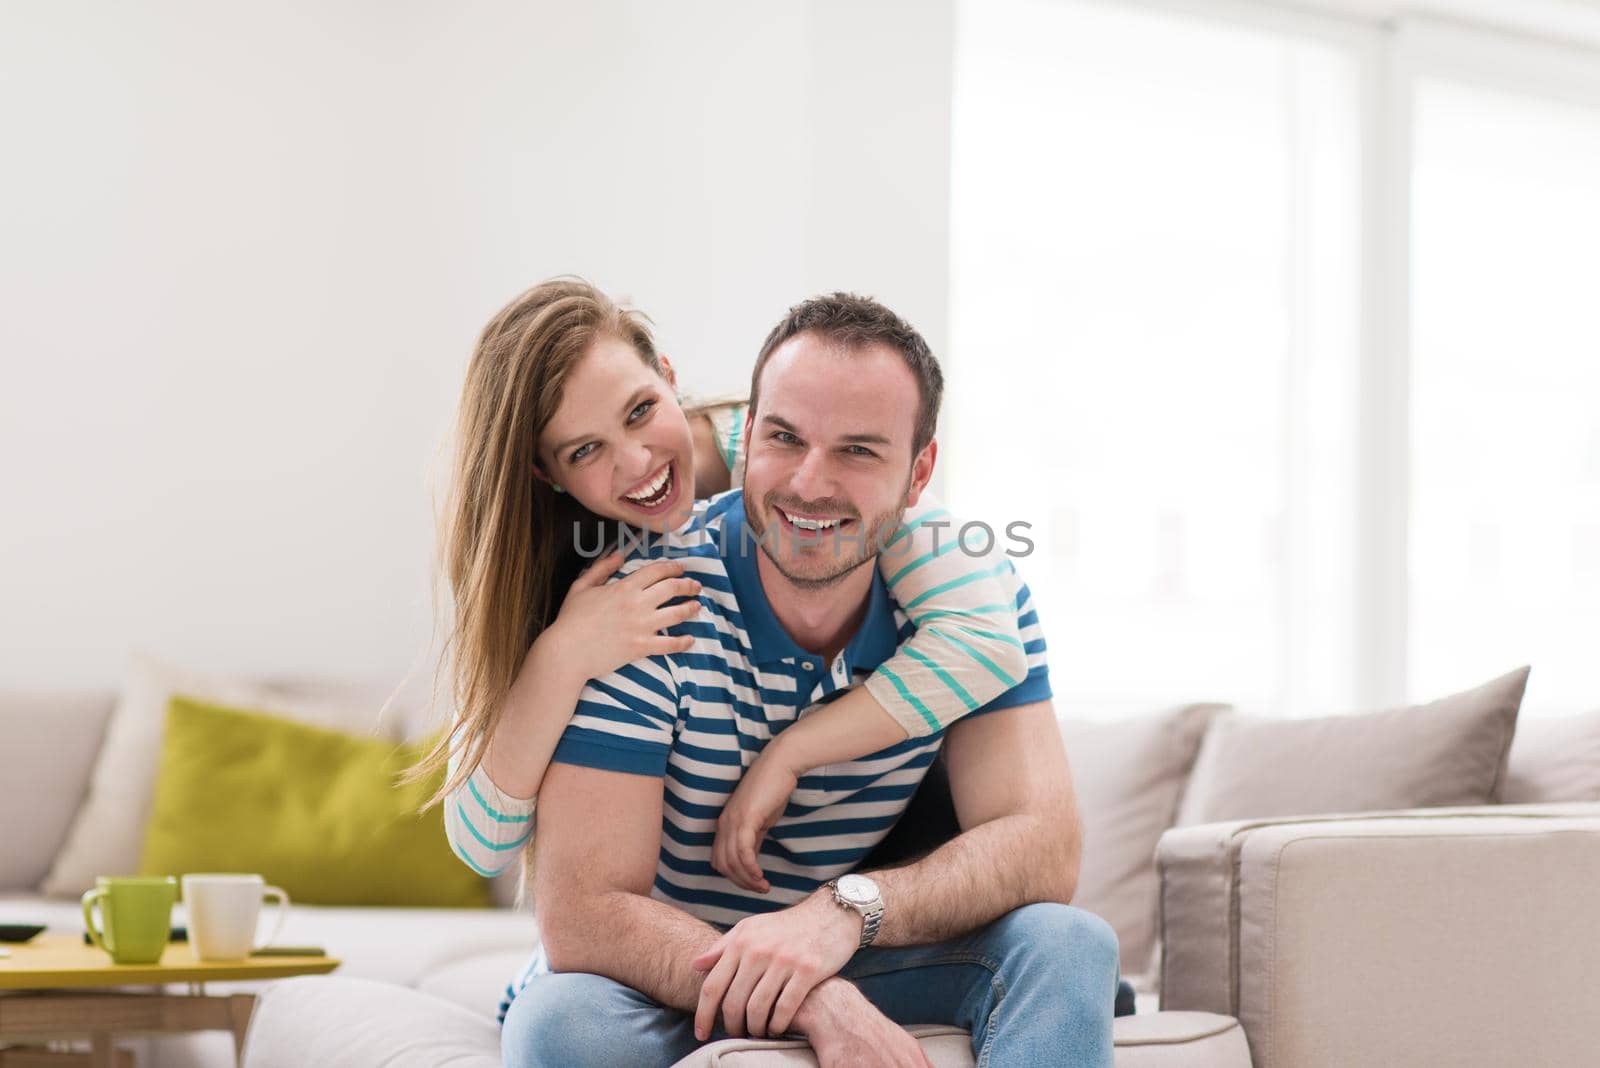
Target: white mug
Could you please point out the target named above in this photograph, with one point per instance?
(223, 910)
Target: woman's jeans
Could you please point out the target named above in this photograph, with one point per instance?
(1035, 988)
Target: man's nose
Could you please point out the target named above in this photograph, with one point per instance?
(811, 479)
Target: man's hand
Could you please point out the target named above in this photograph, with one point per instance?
(763, 967)
(846, 1030)
(749, 814)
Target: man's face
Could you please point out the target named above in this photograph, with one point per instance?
(828, 469)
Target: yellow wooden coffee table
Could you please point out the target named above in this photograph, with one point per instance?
(50, 987)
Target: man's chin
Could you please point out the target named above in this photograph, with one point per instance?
(811, 574)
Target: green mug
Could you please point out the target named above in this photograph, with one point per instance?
(137, 914)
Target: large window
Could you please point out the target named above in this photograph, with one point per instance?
(1179, 337)
(1505, 397)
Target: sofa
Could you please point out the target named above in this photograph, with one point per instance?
(1435, 934)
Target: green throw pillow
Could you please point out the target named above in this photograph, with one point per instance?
(315, 811)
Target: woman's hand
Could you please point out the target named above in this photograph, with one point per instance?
(749, 814)
(604, 625)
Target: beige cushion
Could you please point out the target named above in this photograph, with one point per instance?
(945, 1047)
(1180, 1040)
(108, 831)
(1554, 758)
(1129, 776)
(1448, 752)
(50, 744)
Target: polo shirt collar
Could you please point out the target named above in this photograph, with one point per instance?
(873, 642)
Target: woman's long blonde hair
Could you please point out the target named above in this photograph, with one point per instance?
(505, 538)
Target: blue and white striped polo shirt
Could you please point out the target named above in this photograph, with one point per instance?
(699, 718)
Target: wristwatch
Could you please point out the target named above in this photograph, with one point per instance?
(861, 894)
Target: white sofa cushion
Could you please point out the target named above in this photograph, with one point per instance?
(358, 1023)
(51, 740)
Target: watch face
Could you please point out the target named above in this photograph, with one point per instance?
(858, 889)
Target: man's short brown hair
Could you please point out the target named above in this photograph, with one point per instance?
(851, 321)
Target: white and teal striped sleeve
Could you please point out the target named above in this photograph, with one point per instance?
(487, 827)
(968, 647)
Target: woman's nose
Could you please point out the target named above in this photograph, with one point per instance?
(640, 461)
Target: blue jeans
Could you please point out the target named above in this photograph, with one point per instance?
(1035, 988)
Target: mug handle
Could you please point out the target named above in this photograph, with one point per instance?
(282, 899)
(90, 898)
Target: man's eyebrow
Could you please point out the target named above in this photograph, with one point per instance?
(850, 439)
(633, 401)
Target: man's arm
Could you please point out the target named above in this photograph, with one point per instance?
(595, 852)
(1020, 839)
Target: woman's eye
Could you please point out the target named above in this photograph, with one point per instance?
(638, 413)
(580, 452)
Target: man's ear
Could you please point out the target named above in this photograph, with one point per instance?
(922, 471)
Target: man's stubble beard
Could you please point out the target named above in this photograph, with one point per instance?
(864, 550)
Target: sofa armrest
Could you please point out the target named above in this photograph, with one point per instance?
(1441, 936)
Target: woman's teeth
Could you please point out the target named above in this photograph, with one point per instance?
(655, 491)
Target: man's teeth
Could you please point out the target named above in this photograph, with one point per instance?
(653, 488)
(812, 524)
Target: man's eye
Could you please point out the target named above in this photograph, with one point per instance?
(860, 450)
(638, 413)
(783, 437)
(580, 452)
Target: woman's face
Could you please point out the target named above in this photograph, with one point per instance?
(619, 443)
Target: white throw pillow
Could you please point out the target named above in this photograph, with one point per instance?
(108, 832)
(1554, 759)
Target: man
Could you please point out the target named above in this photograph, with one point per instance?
(977, 933)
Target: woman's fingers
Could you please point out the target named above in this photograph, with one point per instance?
(745, 856)
(597, 573)
(723, 860)
(652, 573)
(672, 615)
(665, 591)
(667, 644)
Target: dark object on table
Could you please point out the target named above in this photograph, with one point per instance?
(178, 934)
(289, 951)
(19, 932)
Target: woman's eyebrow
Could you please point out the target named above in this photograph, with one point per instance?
(632, 403)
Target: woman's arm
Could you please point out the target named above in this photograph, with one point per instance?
(967, 650)
(601, 626)
(489, 817)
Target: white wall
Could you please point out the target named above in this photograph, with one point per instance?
(244, 251)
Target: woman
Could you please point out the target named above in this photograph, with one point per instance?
(532, 625)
